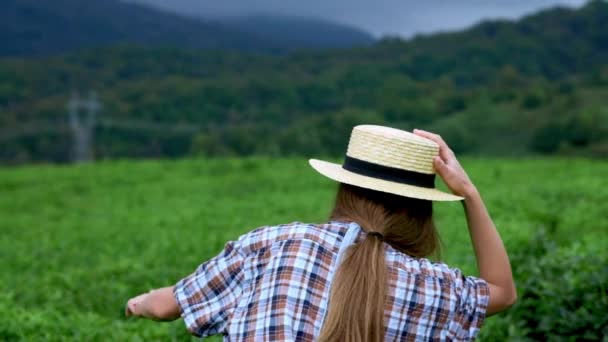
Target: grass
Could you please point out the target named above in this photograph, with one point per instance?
(78, 241)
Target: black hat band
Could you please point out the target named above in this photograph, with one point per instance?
(388, 173)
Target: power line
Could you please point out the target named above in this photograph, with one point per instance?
(41, 127)
(180, 128)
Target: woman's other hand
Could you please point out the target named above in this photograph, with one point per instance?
(134, 306)
(448, 167)
(159, 304)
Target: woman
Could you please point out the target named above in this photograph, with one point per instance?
(363, 276)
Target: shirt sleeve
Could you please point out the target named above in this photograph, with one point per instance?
(473, 296)
(207, 298)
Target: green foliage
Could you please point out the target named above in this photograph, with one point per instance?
(78, 241)
(51, 325)
(503, 88)
(586, 129)
(562, 293)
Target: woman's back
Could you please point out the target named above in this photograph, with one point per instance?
(343, 281)
(274, 284)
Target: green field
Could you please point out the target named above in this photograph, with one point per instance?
(77, 241)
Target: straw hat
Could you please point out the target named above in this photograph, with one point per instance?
(388, 160)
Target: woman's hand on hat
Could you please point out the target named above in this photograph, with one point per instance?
(448, 167)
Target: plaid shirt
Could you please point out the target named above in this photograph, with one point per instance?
(273, 284)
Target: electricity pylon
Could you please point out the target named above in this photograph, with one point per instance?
(83, 126)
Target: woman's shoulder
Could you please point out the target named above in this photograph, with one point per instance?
(327, 234)
(423, 266)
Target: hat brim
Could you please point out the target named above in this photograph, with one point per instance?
(337, 173)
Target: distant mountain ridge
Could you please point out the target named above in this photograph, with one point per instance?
(298, 32)
(554, 43)
(33, 27)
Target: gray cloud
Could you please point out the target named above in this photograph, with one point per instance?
(380, 17)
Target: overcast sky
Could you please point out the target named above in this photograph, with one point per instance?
(380, 17)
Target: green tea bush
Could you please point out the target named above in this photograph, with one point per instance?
(562, 293)
(76, 242)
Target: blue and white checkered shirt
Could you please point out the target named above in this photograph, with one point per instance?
(273, 284)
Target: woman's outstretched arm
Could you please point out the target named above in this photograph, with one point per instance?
(492, 258)
(159, 305)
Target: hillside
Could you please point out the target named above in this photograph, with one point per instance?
(538, 85)
(553, 43)
(295, 32)
(31, 27)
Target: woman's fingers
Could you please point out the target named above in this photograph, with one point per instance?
(432, 136)
(128, 311)
(447, 166)
(440, 166)
(444, 150)
(131, 307)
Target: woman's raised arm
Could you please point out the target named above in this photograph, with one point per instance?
(492, 258)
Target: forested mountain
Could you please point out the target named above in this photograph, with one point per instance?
(553, 43)
(538, 85)
(34, 27)
(295, 33)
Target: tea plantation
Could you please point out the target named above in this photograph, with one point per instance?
(77, 241)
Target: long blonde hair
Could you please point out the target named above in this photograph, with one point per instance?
(356, 303)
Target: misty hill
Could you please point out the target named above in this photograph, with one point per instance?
(537, 85)
(33, 27)
(294, 32)
(553, 43)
